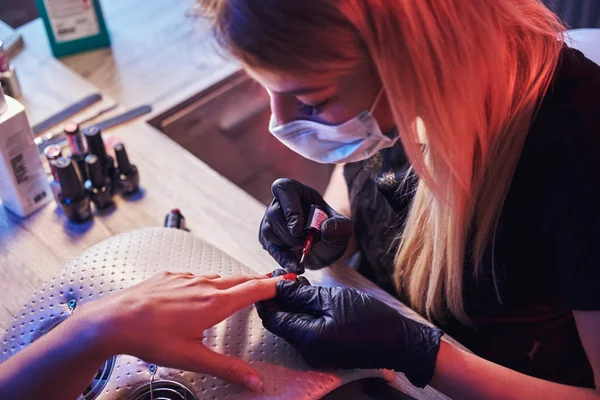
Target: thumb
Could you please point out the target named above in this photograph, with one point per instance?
(229, 369)
(288, 193)
(337, 229)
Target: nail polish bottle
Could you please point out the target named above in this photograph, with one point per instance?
(97, 184)
(95, 144)
(175, 219)
(72, 197)
(77, 148)
(53, 153)
(8, 75)
(112, 173)
(129, 178)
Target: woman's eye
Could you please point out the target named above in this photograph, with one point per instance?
(312, 110)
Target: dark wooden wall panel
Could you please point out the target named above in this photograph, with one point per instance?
(227, 128)
(17, 12)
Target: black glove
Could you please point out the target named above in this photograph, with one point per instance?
(343, 328)
(282, 227)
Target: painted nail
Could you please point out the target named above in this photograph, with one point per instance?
(290, 276)
(269, 275)
(253, 383)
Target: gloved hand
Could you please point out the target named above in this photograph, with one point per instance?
(343, 328)
(282, 227)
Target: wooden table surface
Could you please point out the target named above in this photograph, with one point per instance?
(161, 57)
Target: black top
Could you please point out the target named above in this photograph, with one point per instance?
(546, 244)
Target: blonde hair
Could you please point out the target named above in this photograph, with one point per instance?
(472, 71)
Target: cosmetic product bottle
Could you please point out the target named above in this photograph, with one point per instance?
(73, 26)
(77, 148)
(23, 184)
(8, 75)
(129, 178)
(53, 153)
(97, 186)
(72, 198)
(175, 219)
(95, 145)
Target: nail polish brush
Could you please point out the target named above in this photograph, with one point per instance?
(312, 231)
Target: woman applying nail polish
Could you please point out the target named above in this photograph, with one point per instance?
(465, 134)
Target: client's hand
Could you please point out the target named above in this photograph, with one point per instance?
(344, 328)
(162, 319)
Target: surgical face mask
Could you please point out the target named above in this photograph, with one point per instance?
(355, 140)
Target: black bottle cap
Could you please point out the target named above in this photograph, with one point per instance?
(95, 144)
(70, 185)
(122, 159)
(96, 170)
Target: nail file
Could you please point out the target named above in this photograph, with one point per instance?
(103, 125)
(66, 113)
(45, 139)
(124, 117)
(96, 114)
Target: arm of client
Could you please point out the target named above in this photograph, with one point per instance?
(343, 328)
(171, 309)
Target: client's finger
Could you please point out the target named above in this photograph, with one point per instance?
(188, 274)
(227, 282)
(247, 293)
(229, 369)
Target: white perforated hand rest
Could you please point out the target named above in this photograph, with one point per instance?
(127, 259)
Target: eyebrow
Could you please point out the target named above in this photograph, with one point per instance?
(304, 90)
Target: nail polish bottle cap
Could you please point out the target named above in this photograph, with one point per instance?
(316, 216)
(122, 159)
(96, 171)
(93, 136)
(75, 138)
(52, 153)
(70, 185)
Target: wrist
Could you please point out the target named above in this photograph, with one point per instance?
(96, 329)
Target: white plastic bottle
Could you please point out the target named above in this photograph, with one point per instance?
(23, 184)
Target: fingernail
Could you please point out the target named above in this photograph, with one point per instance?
(253, 382)
(269, 275)
(290, 276)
